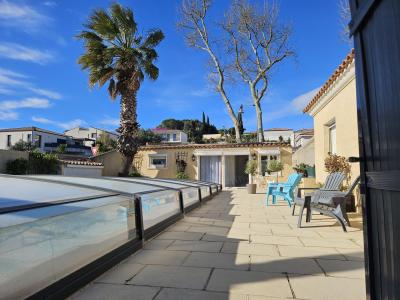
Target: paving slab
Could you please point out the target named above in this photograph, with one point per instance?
(100, 291)
(185, 294)
(321, 242)
(292, 265)
(158, 257)
(275, 240)
(218, 260)
(120, 273)
(184, 236)
(250, 248)
(343, 268)
(202, 246)
(172, 276)
(312, 252)
(249, 282)
(329, 288)
(157, 244)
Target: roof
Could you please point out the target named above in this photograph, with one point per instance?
(165, 130)
(80, 162)
(215, 146)
(32, 128)
(86, 129)
(305, 131)
(279, 129)
(332, 79)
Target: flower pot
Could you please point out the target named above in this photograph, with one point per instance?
(251, 188)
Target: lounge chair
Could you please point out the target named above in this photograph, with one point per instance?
(327, 202)
(284, 190)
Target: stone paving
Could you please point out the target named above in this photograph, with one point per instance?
(234, 247)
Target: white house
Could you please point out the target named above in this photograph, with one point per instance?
(171, 135)
(89, 135)
(279, 134)
(44, 140)
(302, 136)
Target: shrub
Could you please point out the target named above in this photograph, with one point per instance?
(135, 173)
(275, 166)
(40, 163)
(17, 166)
(181, 175)
(251, 169)
(336, 163)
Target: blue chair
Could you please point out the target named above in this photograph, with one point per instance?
(285, 190)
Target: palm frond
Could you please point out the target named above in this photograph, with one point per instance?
(154, 37)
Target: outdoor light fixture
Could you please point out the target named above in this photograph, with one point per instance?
(193, 157)
(254, 156)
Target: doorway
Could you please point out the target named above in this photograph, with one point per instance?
(234, 170)
(210, 169)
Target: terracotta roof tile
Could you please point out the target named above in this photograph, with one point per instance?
(214, 146)
(339, 71)
(80, 162)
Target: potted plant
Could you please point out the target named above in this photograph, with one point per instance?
(275, 166)
(251, 169)
(302, 169)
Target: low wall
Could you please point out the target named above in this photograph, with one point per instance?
(112, 162)
(7, 155)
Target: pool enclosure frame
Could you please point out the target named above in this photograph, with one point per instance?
(71, 282)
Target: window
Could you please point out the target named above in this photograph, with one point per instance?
(174, 137)
(157, 161)
(264, 164)
(168, 137)
(94, 135)
(9, 140)
(39, 141)
(29, 138)
(332, 139)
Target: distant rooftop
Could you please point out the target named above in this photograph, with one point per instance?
(279, 129)
(32, 128)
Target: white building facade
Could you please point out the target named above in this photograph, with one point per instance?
(171, 135)
(279, 134)
(89, 135)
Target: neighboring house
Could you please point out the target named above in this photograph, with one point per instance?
(221, 163)
(334, 110)
(171, 135)
(44, 140)
(278, 134)
(302, 136)
(305, 153)
(89, 135)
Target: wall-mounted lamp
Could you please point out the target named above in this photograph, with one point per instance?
(254, 156)
(193, 157)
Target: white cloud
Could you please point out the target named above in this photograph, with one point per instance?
(293, 107)
(19, 52)
(64, 125)
(21, 16)
(110, 122)
(50, 3)
(71, 124)
(46, 93)
(25, 103)
(8, 115)
(41, 120)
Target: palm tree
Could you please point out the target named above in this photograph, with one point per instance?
(117, 54)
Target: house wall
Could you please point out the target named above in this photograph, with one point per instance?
(112, 162)
(142, 162)
(18, 135)
(81, 171)
(87, 133)
(7, 155)
(275, 134)
(305, 154)
(343, 110)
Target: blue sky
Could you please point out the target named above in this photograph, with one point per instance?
(42, 85)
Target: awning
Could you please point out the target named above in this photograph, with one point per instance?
(269, 152)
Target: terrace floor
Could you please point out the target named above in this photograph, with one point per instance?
(234, 247)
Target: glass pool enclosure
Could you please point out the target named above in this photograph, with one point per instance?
(58, 233)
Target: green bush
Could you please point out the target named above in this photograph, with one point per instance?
(181, 175)
(135, 173)
(42, 163)
(17, 166)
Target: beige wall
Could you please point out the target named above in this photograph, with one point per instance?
(112, 162)
(305, 154)
(343, 110)
(143, 165)
(7, 155)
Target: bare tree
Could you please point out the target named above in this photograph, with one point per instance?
(258, 43)
(193, 22)
(345, 17)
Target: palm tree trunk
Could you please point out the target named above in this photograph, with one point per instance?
(127, 141)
